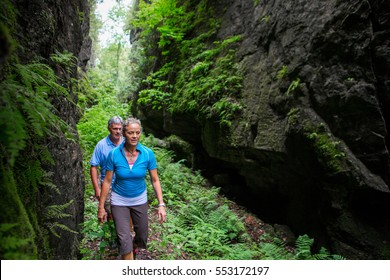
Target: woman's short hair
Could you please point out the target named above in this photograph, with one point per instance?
(115, 120)
(129, 121)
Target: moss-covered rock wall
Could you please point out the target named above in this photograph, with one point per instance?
(43, 44)
(302, 139)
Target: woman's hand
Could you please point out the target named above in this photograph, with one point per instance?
(102, 215)
(161, 213)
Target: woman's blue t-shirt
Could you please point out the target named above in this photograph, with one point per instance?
(130, 182)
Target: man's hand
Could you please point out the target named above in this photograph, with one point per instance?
(97, 193)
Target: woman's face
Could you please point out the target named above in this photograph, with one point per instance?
(132, 133)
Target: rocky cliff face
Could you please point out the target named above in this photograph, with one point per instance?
(310, 149)
(45, 27)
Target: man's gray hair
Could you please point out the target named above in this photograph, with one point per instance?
(131, 120)
(115, 120)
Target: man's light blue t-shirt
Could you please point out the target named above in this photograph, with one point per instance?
(99, 156)
(130, 182)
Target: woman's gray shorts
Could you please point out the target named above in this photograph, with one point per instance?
(139, 215)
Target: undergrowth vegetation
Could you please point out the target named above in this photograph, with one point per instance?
(199, 224)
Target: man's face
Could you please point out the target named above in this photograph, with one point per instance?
(115, 131)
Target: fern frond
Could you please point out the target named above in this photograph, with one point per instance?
(46, 181)
(338, 257)
(273, 251)
(51, 186)
(57, 211)
(47, 158)
(54, 226)
(323, 254)
(33, 173)
(303, 247)
(25, 110)
(66, 58)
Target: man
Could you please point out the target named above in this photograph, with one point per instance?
(99, 157)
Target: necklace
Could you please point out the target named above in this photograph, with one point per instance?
(132, 154)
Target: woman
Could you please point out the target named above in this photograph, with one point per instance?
(130, 161)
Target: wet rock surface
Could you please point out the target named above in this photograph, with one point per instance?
(316, 157)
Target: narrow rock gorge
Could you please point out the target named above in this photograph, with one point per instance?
(307, 149)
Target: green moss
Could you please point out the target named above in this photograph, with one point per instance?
(282, 73)
(293, 116)
(198, 75)
(294, 85)
(49, 22)
(16, 232)
(175, 141)
(327, 149)
(385, 253)
(8, 15)
(208, 86)
(266, 18)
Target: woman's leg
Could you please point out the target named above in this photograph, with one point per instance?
(139, 215)
(121, 216)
